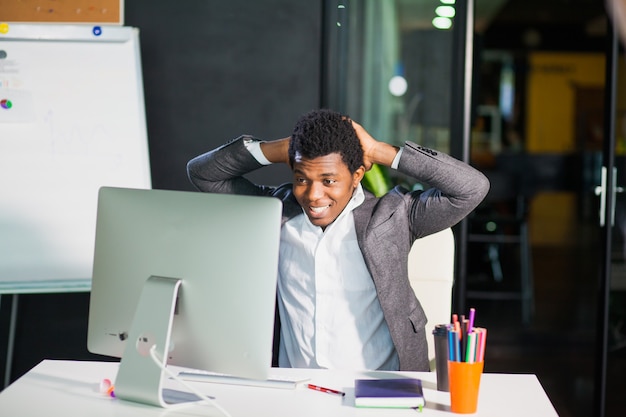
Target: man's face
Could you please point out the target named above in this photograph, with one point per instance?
(323, 186)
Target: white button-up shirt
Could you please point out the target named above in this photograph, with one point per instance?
(328, 305)
(329, 310)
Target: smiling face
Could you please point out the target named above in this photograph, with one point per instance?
(323, 186)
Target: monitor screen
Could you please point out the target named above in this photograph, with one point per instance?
(194, 271)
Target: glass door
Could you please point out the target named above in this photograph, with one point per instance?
(611, 358)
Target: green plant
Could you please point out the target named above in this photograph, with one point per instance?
(377, 180)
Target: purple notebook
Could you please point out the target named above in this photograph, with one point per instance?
(389, 393)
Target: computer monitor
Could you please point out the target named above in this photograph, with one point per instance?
(193, 272)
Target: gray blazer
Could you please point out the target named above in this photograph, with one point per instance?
(386, 227)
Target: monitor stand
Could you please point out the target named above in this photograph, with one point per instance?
(139, 378)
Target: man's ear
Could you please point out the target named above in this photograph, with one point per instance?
(358, 175)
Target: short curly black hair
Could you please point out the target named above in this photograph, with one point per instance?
(322, 132)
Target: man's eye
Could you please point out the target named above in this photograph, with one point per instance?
(301, 180)
(329, 182)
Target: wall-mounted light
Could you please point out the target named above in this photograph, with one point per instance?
(398, 84)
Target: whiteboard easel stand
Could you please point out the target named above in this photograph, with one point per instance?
(105, 60)
(34, 287)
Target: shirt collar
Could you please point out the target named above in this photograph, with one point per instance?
(358, 197)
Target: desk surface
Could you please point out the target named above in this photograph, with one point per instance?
(71, 389)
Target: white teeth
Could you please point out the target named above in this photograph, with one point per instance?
(318, 209)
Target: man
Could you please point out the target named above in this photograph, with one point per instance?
(344, 297)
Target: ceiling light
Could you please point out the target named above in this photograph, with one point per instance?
(445, 11)
(442, 22)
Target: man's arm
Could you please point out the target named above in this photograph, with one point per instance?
(221, 170)
(457, 188)
(276, 151)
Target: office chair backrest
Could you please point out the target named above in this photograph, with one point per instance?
(431, 273)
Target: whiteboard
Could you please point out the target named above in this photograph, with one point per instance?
(72, 119)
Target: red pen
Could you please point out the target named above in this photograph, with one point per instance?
(326, 390)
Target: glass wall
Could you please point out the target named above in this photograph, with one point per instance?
(536, 125)
(390, 67)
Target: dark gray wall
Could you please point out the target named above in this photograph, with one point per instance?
(216, 69)
(212, 70)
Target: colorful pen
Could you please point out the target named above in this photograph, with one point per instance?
(326, 390)
(466, 341)
(451, 338)
(470, 355)
(472, 316)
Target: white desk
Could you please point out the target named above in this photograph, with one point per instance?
(71, 389)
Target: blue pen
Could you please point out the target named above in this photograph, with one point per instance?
(451, 345)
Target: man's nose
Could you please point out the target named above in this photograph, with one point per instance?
(315, 191)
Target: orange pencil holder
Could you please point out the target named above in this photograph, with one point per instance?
(464, 380)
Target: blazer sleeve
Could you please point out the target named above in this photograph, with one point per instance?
(222, 170)
(456, 189)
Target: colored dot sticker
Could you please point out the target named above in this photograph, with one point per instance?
(6, 104)
(97, 30)
(4, 28)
